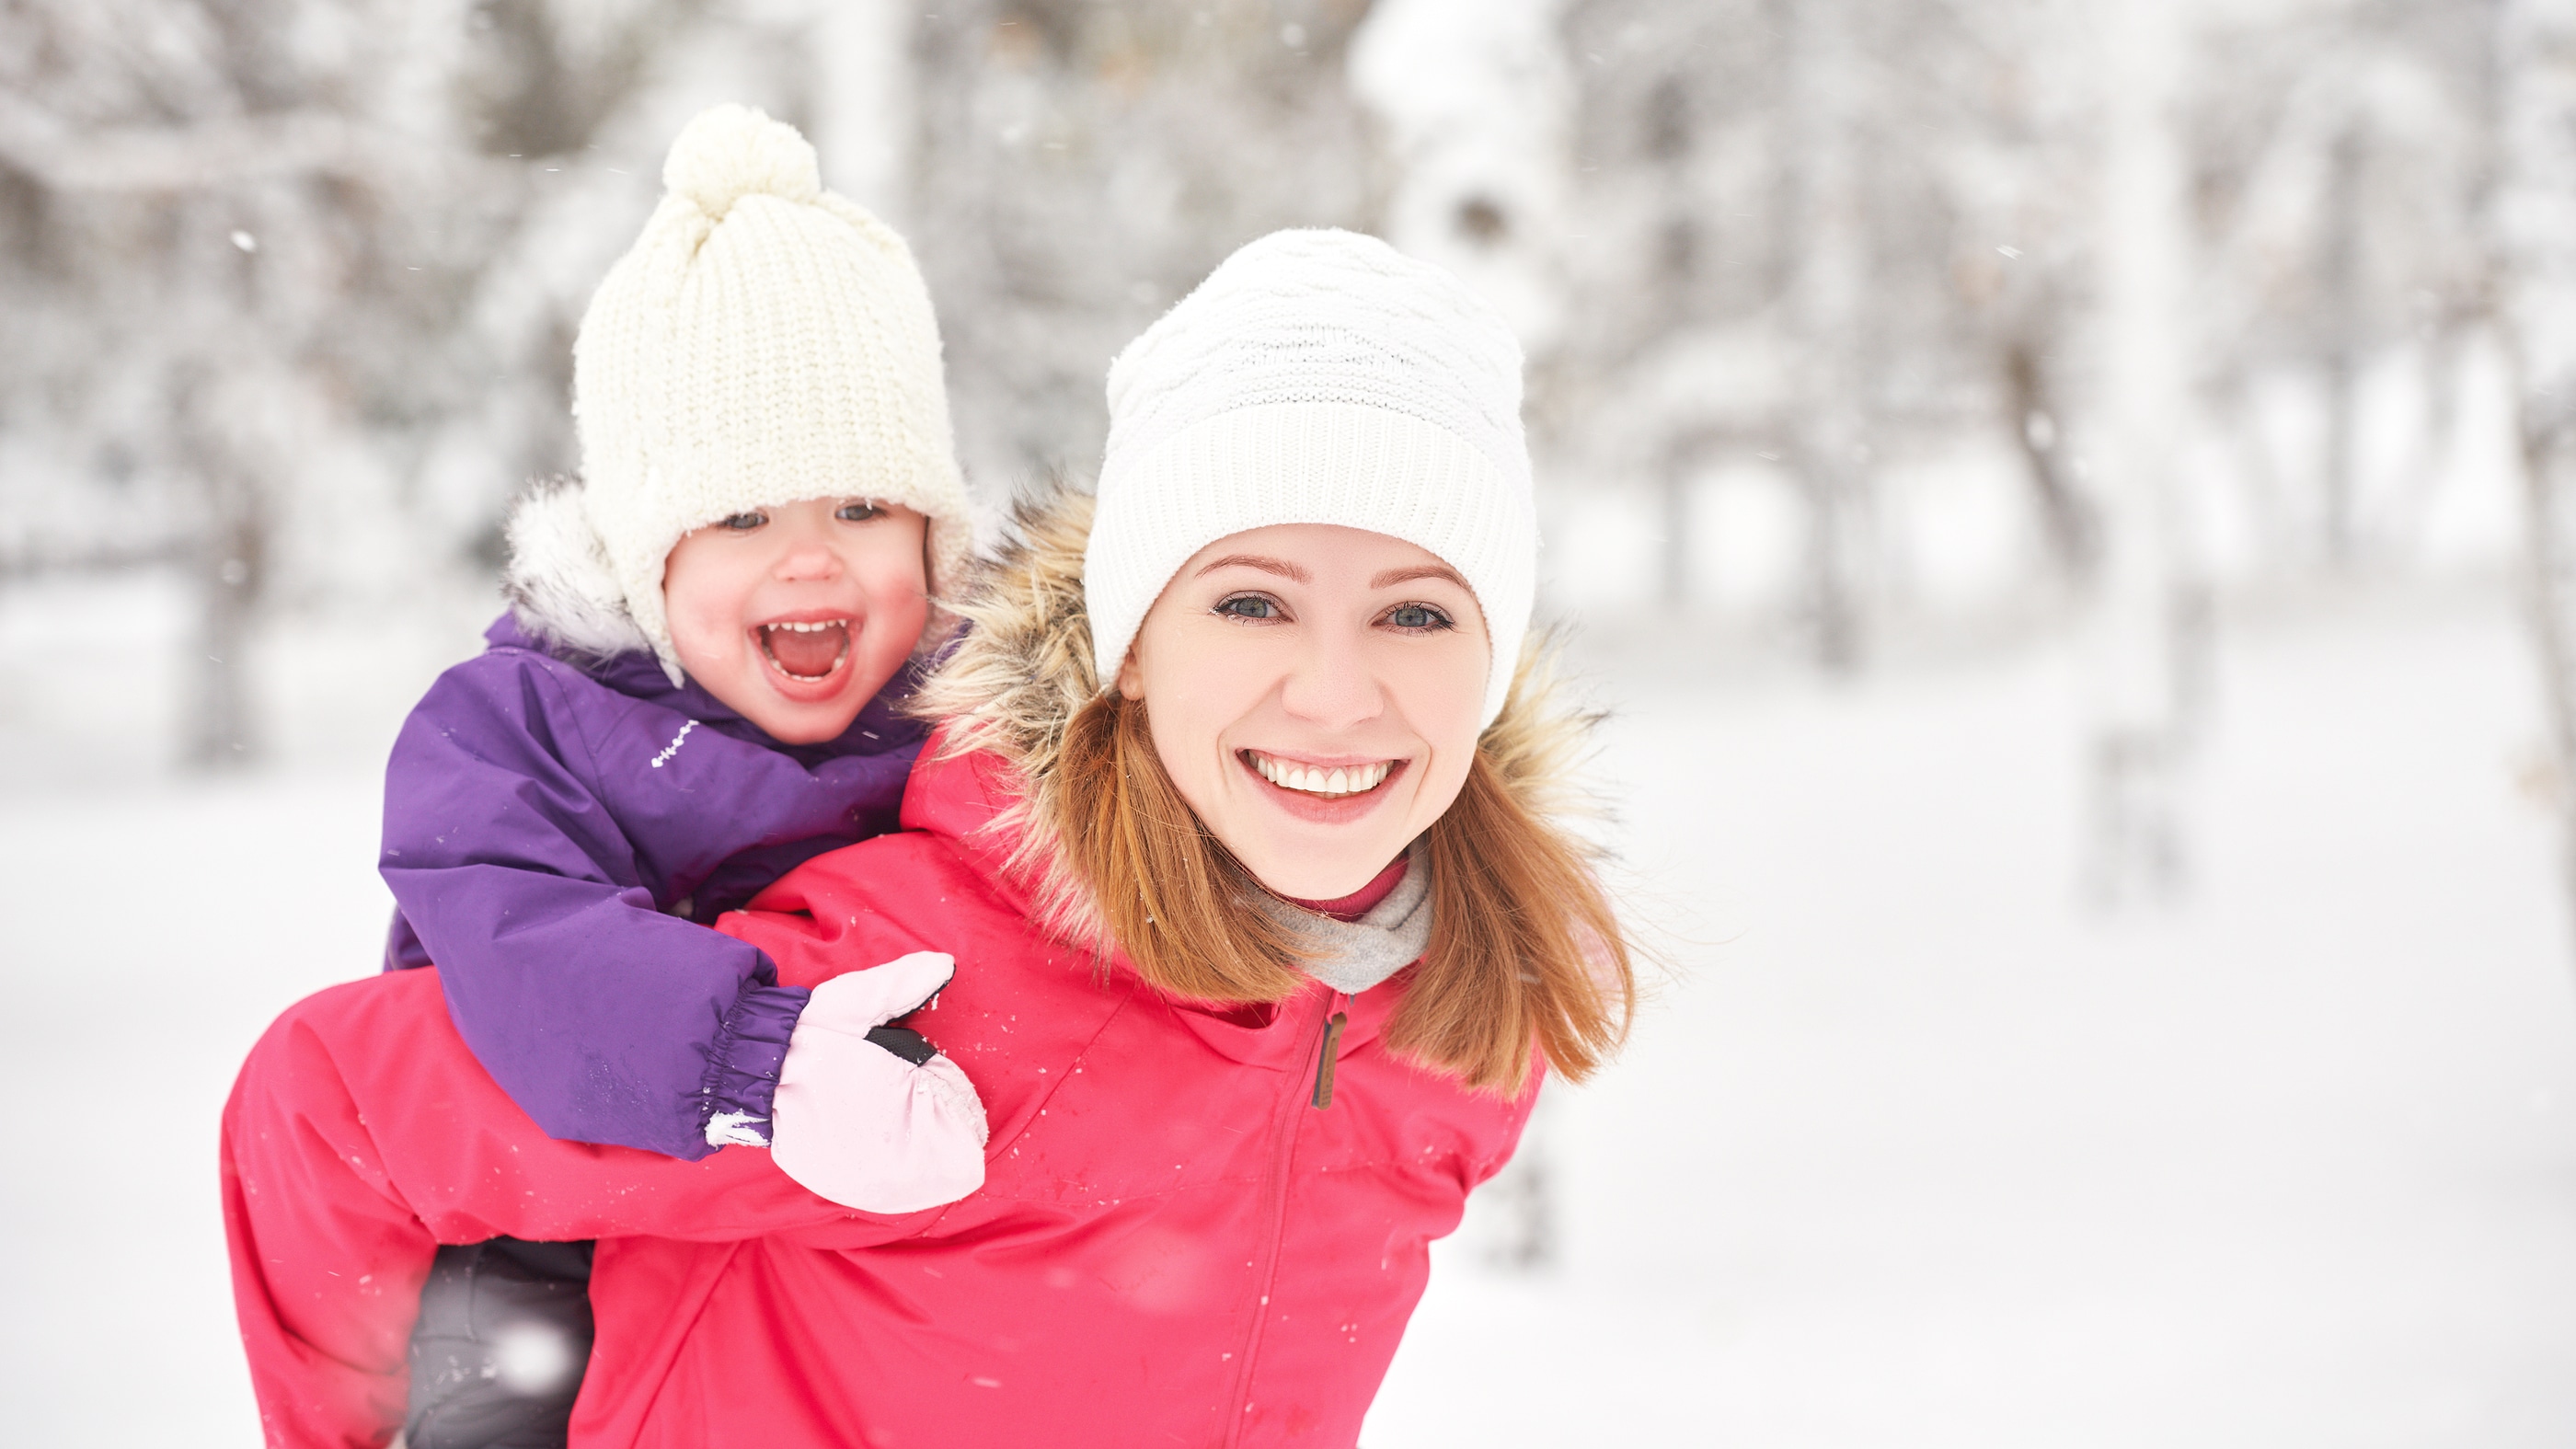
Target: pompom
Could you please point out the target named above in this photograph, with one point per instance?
(730, 152)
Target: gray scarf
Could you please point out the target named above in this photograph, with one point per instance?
(1352, 956)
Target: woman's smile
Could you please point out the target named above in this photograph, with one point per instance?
(1322, 791)
(1308, 776)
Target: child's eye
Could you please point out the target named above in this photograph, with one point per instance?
(1418, 616)
(858, 512)
(1249, 606)
(744, 522)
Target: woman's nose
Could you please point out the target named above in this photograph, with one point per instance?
(1331, 685)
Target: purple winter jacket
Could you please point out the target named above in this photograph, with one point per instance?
(556, 835)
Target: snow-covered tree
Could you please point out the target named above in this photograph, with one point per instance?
(292, 283)
(226, 225)
(2139, 655)
(1473, 101)
(1818, 237)
(1078, 167)
(2533, 221)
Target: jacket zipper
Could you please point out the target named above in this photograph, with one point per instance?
(1324, 1059)
(1281, 1150)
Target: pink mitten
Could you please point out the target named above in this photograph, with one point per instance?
(862, 1126)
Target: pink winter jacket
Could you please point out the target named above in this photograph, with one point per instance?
(1174, 1245)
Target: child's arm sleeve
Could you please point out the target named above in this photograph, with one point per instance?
(604, 1019)
(360, 1122)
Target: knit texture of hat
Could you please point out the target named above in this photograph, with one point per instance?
(1317, 377)
(764, 342)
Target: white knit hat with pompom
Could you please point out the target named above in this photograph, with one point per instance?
(764, 342)
(1317, 377)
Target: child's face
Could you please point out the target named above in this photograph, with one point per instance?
(797, 615)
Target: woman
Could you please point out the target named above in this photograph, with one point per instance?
(1263, 944)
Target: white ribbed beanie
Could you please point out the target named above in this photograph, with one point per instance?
(1317, 377)
(764, 342)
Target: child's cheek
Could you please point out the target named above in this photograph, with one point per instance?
(704, 608)
(898, 590)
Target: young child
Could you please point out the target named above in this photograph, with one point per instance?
(694, 690)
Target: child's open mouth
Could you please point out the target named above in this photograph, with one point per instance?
(806, 651)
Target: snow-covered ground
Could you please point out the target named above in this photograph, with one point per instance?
(1921, 1153)
(1914, 1151)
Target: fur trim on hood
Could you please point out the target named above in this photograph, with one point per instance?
(558, 579)
(1024, 670)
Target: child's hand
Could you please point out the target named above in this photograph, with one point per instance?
(867, 1128)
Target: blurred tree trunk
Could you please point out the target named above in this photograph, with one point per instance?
(1675, 466)
(1671, 137)
(2532, 246)
(1828, 266)
(2341, 282)
(1521, 1228)
(238, 432)
(2139, 650)
(2032, 412)
(230, 568)
(864, 103)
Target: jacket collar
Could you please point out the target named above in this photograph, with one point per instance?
(969, 800)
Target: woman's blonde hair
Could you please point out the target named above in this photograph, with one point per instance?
(1526, 956)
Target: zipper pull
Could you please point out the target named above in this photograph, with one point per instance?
(1324, 1067)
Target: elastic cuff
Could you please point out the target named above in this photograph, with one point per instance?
(742, 1069)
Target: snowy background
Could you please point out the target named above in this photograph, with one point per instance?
(2070, 501)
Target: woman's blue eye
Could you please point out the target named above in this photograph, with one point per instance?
(858, 512)
(745, 521)
(1417, 616)
(1249, 606)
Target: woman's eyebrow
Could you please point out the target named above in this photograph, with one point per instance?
(1393, 577)
(1263, 562)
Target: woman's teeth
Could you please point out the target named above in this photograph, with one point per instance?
(1316, 780)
